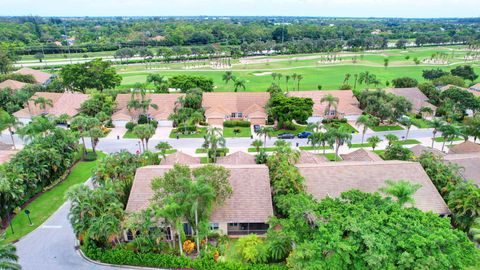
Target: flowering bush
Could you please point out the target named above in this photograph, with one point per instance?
(188, 246)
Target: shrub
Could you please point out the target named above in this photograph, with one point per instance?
(186, 129)
(252, 249)
(397, 152)
(130, 126)
(288, 125)
(90, 156)
(154, 123)
(333, 120)
(236, 123)
(142, 119)
(261, 158)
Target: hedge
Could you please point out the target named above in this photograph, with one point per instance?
(128, 257)
(236, 123)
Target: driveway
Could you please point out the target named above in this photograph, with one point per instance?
(116, 131)
(162, 133)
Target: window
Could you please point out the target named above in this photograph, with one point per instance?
(233, 115)
(239, 115)
(214, 226)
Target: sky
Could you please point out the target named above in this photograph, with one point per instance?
(329, 8)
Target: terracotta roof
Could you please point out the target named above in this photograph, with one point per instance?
(448, 86)
(361, 155)
(179, 157)
(347, 102)
(251, 200)
(419, 149)
(465, 148)
(475, 87)
(39, 76)
(310, 158)
(63, 103)
(237, 158)
(469, 164)
(12, 84)
(165, 103)
(225, 103)
(414, 95)
(331, 179)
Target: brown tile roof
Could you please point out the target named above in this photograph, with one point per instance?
(12, 84)
(414, 95)
(165, 102)
(237, 158)
(63, 103)
(465, 148)
(331, 179)
(475, 87)
(310, 158)
(251, 200)
(179, 157)
(347, 104)
(469, 163)
(361, 155)
(40, 76)
(419, 149)
(221, 104)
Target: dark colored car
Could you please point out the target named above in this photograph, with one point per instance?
(256, 128)
(286, 136)
(304, 135)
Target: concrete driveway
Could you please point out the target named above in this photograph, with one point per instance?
(162, 133)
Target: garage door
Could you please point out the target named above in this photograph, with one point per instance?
(120, 123)
(165, 123)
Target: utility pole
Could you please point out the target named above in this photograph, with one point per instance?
(68, 44)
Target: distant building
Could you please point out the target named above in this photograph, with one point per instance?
(41, 78)
(415, 96)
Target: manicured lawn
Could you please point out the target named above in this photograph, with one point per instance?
(314, 148)
(47, 203)
(360, 145)
(441, 139)
(204, 160)
(266, 149)
(386, 128)
(345, 126)
(129, 135)
(199, 134)
(409, 141)
(228, 132)
(204, 151)
(379, 152)
(331, 157)
(420, 123)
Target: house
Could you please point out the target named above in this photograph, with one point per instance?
(347, 107)
(245, 212)
(310, 158)
(249, 106)
(415, 96)
(419, 149)
(237, 158)
(62, 103)
(42, 78)
(361, 155)
(181, 158)
(465, 148)
(166, 104)
(469, 165)
(331, 179)
(12, 84)
(475, 87)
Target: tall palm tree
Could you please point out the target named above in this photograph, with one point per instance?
(9, 122)
(391, 138)
(363, 120)
(355, 77)
(144, 132)
(331, 101)
(402, 190)
(326, 138)
(374, 141)
(257, 144)
(342, 136)
(265, 132)
(287, 78)
(436, 124)
(145, 105)
(299, 78)
(407, 122)
(294, 78)
(346, 78)
(449, 133)
(238, 83)
(279, 76)
(213, 140)
(274, 76)
(315, 126)
(8, 258)
(228, 76)
(43, 103)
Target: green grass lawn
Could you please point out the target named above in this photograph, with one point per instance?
(228, 132)
(420, 123)
(360, 145)
(331, 157)
(199, 134)
(266, 149)
(386, 128)
(47, 203)
(441, 139)
(314, 148)
(408, 141)
(380, 153)
(345, 126)
(129, 135)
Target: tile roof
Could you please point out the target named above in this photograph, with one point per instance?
(347, 104)
(220, 104)
(475, 87)
(179, 157)
(12, 84)
(414, 95)
(63, 103)
(361, 155)
(419, 149)
(469, 163)
(237, 158)
(166, 104)
(310, 158)
(464, 148)
(251, 200)
(39, 76)
(331, 179)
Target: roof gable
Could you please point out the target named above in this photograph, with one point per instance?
(465, 147)
(347, 102)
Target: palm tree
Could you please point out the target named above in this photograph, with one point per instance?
(342, 136)
(238, 83)
(391, 138)
(196, 117)
(425, 111)
(257, 144)
(436, 124)
(294, 77)
(402, 190)
(326, 138)
(374, 141)
(287, 78)
(407, 122)
(355, 77)
(315, 126)
(346, 78)
(10, 122)
(162, 148)
(145, 104)
(279, 76)
(363, 120)
(133, 104)
(173, 212)
(265, 132)
(8, 258)
(228, 76)
(212, 141)
(299, 78)
(144, 132)
(331, 101)
(449, 133)
(43, 103)
(274, 76)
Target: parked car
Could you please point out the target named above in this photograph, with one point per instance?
(304, 135)
(256, 128)
(286, 136)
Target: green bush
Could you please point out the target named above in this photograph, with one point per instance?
(236, 123)
(90, 156)
(130, 126)
(154, 123)
(186, 129)
(252, 249)
(142, 119)
(334, 120)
